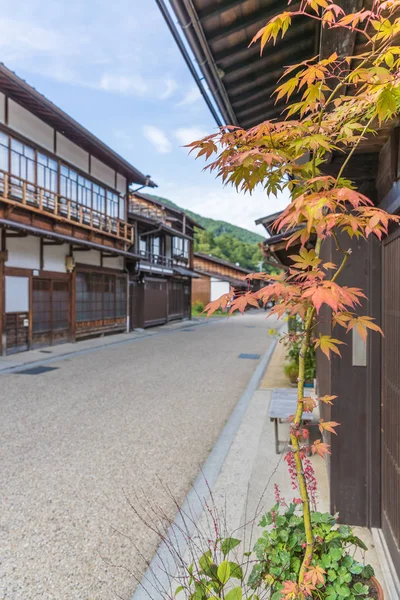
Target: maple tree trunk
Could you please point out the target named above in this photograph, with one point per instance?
(305, 346)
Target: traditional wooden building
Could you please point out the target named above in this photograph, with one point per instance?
(364, 469)
(160, 279)
(217, 276)
(64, 228)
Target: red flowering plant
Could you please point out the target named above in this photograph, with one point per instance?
(343, 101)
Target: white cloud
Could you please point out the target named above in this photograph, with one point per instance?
(191, 96)
(123, 84)
(170, 88)
(226, 204)
(18, 37)
(186, 135)
(157, 137)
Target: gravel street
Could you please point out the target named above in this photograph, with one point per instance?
(106, 427)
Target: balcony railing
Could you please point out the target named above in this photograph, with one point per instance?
(155, 259)
(157, 214)
(19, 192)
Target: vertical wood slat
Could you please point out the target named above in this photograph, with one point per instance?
(6, 185)
(391, 396)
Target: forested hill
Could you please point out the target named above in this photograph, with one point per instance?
(224, 240)
(214, 226)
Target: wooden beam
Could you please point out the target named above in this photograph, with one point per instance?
(260, 17)
(339, 39)
(215, 10)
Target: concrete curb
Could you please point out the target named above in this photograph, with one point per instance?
(156, 578)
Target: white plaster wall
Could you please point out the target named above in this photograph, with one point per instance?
(121, 184)
(101, 172)
(114, 262)
(23, 252)
(27, 124)
(87, 257)
(218, 288)
(54, 258)
(2, 107)
(17, 294)
(72, 153)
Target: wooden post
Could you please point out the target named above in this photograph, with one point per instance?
(24, 192)
(5, 186)
(41, 199)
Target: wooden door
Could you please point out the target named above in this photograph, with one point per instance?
(175, 299)
(50, 311)
(136, 290)
(155, 301)
(17, 332)
(391, 397)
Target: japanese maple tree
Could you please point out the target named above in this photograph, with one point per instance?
(343, 101)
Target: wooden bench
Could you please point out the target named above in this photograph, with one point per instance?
(283, 405)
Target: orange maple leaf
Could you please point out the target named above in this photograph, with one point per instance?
(290, 590)
(327, 399)
(328, 426)
(320, 448)
(327, 344)
(315, 575)
(308, 404)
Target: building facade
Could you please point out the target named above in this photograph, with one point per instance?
(65, 235)
(160, 279)
(216, 277)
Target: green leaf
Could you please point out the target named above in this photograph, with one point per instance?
(234, 594)
(178, 589)
(229, 544)
(224, 571)
(359, 589)
(368, 572)
(205, 560)
(236, 570)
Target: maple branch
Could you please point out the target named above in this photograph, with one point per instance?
(342, 264)
(338, 246)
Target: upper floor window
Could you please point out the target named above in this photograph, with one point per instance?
(27, 164)
(180, 247)
(143, 246)
(22, 158)
(156, 246)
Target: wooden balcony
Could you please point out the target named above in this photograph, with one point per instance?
(18, 192)
(146, 210)
(155, 259)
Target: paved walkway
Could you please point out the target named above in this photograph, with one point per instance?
(81, 442)
(244, 488)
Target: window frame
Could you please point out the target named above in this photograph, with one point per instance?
(112, 197)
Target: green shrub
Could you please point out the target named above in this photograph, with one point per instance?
(280, 551)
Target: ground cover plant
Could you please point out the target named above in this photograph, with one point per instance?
(339, 101)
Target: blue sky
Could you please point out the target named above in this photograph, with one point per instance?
(115, 68)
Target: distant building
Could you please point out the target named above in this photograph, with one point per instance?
(76, 244)
(160, 279)
(217, 276)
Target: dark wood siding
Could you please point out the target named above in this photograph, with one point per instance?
(354, 489)
(136, 290)
(100, 301)
(50, 311)
(17, 332)
(155, 301)
(391, 397)
(179, 294)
